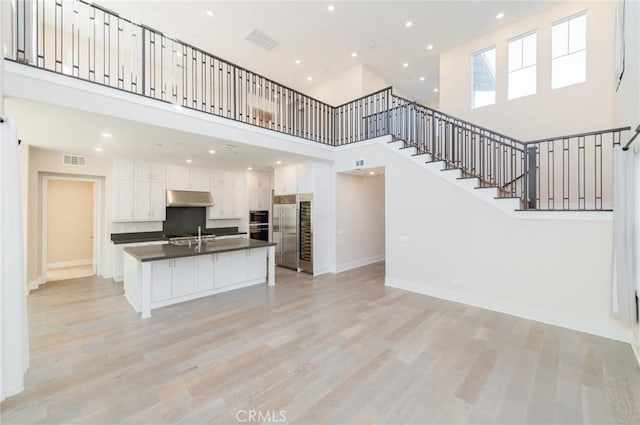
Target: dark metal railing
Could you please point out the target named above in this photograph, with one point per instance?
(88, 42)
(575, 172)
(497, 160)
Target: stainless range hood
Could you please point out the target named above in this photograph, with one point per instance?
(188, 198)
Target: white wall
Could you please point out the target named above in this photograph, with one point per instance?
(574, 109)
(627, 98)
(354, 83)
(360, 220)
(41, 162)
(442, 240)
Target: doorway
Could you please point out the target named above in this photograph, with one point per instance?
(69, 227)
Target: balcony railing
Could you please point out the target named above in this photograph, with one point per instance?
(88, 42)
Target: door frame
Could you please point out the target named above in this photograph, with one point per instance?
(97, 219)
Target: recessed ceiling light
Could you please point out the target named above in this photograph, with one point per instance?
(500, 15)
(97, 149)
(406, 64)
(278, 162)
(430, 46)
(372, 45)
(249, 168)
(436, 90)
(354, 55)
(309, 78)
(106, 134)
(297, 61)
(211, 151)
(209, 12)
(189, 161)
(331, 8)
(421, 78)
(408, 24)
(372, 173)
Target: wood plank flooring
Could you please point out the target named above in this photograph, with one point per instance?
(332, 349)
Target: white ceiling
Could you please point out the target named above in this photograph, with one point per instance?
(324, 40)
(78, 132)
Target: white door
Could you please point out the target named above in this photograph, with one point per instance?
(158, 173)
(263, 199)
(204, 265)
(218, 198)
(182, 274)
(161, 278)
(142, 171)
(123, 170)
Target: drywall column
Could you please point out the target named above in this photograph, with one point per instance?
(1, 59)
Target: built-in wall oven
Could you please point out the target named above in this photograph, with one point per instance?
(259, 225)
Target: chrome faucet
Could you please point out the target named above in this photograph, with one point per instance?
(199, 235)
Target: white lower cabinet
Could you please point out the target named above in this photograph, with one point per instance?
(256, 263)
(204, 272)
(172, 279)
(239, 266)
(223, 270)
(161, 278)
(182, 277)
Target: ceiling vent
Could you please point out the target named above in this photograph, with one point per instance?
(74, 160)
(262, 40)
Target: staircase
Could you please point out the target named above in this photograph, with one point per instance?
(568, 173)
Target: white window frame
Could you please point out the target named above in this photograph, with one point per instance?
(522, 67)
(569, 52)
(473, 92)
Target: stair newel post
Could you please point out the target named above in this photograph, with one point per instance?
(530, 177)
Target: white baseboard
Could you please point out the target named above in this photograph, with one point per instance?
(613, 330)
(358, 263)
(73, 263)
(35, 283)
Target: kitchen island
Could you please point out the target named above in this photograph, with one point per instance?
(160, 275)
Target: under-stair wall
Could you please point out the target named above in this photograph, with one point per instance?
(451, 241)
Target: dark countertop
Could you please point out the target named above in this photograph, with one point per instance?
(168, 252)
(120, 238)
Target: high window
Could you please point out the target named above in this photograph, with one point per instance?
(483, 73)
(522, 66)
(569, 51)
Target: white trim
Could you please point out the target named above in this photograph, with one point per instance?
(613, 331)
(73, 263)
(358, 263)
(636, 351)
(34, 284)
(97, 218)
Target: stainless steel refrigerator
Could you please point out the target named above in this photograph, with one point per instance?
(292, 231)
(285, 230)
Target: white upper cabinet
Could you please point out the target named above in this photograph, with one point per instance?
(227, 190)
(199, 179)
(123, 170)
(177, 178)
(142, 171)
(185, 178)
(158, 173)
(138, 191)
(285, 180)
(304, 177)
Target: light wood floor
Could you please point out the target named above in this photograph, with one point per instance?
(64, 273)
(332, 349)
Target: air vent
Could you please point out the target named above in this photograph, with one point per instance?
(262, 40)
(74, 160)
(358, 164)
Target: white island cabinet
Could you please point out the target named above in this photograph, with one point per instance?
(157, 276)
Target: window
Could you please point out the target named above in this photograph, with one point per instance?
(522, 66)
(568, 50)
(484, 78)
